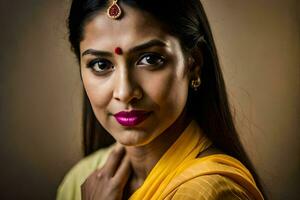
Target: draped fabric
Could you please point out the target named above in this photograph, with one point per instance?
(211, 177)
(186, 148)
(180, 164)
(178, 175)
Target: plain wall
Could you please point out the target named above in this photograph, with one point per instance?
(40, 99)
(40, 91)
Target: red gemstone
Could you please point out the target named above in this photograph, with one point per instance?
(114, 10)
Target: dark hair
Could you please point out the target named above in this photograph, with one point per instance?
(209, 106)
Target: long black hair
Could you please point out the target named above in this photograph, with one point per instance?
(209, 106)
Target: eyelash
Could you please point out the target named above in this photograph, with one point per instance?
(159, 59)
(92, 64)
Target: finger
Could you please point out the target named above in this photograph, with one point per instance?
(123, 172)
(87, 187)
(99, 172)
(113, 161)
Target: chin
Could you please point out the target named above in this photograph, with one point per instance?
(134, 138)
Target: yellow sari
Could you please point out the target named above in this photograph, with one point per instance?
(180, 165)
(178, 175)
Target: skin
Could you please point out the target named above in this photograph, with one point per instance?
(129, 81)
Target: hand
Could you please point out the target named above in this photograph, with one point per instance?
(108, 182)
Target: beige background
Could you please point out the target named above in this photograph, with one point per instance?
(40, 91)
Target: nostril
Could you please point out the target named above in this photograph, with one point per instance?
(126, 87)
(128, 94)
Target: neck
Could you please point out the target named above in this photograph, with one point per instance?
(144, 158)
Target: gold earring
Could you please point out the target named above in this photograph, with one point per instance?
(196, 83)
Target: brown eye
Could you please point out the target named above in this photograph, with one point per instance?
(151, 59)
(101, 65)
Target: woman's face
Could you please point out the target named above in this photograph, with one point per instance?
(150, 77)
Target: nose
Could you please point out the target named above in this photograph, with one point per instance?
(126, 88)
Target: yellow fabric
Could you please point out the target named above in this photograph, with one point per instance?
(178, 175)
(216, 177)
(180, 164)
(186, 148)
(209, 187)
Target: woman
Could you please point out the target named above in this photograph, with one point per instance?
(152, 80)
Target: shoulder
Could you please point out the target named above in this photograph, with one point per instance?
(69, 188)
(214, 177)
(210, 187)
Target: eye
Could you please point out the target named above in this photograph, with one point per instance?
(151, 59)
(100, 65)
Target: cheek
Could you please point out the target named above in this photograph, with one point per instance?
(168, 90)
(97, 91)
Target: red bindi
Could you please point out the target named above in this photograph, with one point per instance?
(118, 51)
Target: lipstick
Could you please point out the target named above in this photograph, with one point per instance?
(131, 118)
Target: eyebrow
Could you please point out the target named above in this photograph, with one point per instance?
(146, 45)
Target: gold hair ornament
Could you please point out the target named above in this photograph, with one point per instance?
(114, 11)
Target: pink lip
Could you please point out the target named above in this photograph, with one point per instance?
(131, 118)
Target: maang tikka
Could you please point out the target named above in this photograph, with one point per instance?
(114, 11)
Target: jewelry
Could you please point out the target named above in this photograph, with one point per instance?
(118, 51)
(196, 83)
(114, 11)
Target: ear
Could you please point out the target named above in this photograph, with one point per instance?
(195, 62)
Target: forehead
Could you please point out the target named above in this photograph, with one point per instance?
(133, 28)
